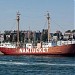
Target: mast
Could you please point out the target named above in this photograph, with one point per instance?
(18, 18)
(29, 35)
(48, 17)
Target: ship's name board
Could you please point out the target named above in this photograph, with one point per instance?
(34, 50)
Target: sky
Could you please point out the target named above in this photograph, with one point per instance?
(34, 14)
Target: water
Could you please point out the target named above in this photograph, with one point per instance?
(37, 65)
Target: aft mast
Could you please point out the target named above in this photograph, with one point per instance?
(48, 17)
(18, 18)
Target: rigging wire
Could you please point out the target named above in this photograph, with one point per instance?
(45, 24)
(57, 24)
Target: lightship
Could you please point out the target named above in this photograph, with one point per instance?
(48, 48)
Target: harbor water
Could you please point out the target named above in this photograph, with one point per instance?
(36, 65)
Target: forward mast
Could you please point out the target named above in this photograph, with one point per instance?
(18, 19)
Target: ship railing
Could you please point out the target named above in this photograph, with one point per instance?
(7, 45)
(62, 42)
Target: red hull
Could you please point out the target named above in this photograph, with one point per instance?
(56, 50)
